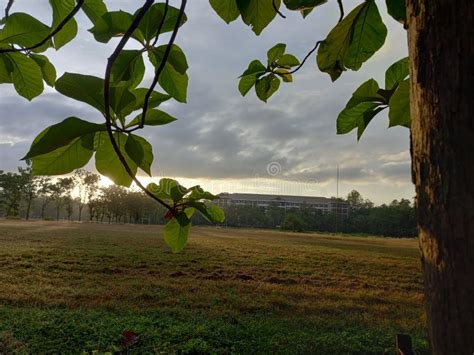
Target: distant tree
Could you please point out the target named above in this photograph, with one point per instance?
(87, 184)
(44, 192)
(293, 222)
(11, 185)
(29, 186)
(60, 190)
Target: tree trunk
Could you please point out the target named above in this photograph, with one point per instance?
(28, 208)
(441, 50)
(81, 206)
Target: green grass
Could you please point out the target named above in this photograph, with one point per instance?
(68, 288)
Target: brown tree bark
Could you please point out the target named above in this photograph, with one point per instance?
(441, 50)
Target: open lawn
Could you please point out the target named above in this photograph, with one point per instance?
(68, 288)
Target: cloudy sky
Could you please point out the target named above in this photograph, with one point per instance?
(231, 143)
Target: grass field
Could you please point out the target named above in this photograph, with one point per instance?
(68, 288)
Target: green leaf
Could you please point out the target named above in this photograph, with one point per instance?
(353, 41)
(85, 88)
(226, 9)
(367, 92)
(285, 75)
(140, 151)
(174, 83)
(255, 67)
(399, 106)
(26, 75)
(152, 20)
(168, 189)
(60, 135)
(303, 4)
(26, 31)
(212, 213)
(288, 61)
(94, 9)
(397, 9)
(366, 118)
(65, 159)
(246, 83)
(353, 117)
(275, 53)
(122, 102)
(198, 193)
(176, 233)
(114, 24)
(129, 68)
(47, 69)
(397, 72)
(156, 98)
(266, 87)
(176, 58)
(257, 13)
(173, 79)
(61, 9)
(5, 69)
(153, 118)
(108, 163)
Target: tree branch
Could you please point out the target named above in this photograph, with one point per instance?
(108, 119)
(7, 9)
(163, 62)
(341, 10)
(51, 35)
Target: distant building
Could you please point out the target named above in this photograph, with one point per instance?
(325, 205)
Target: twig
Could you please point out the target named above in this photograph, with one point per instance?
(275, 7)
(108, 119)
(302, 62)
(341, 10)
(52, 34)
(163, 63)
(7, 9)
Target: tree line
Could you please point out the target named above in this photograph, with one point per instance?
(80, 197)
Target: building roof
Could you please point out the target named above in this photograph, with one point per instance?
(277, 198)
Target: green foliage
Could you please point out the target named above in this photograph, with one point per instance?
(399, 113)
(153, 118)
(84, 88)
(353, 41)
(177, 229)
(60, 135)
(302, 5)
(226, 9)
(26, 75)
(113, 24)
(397, 9)
(94, 9)
(65, 159)
(368, 100)
(140, 151)
(183, 203)
(255, 13)
(129, 68)
(278, 65)
(47, 68)
(24, 30)
(108, 163)
(151, 21)
(173, 79)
